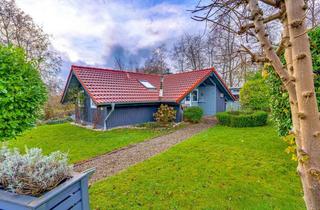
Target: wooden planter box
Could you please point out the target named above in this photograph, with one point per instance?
(71, 194)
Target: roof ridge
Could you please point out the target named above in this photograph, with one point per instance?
(115, 70)
(191, 71)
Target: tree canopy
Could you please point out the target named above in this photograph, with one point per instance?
(22, 92)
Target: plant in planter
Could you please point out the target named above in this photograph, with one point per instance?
(35, 181)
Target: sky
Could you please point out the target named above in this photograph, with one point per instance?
(93, 32)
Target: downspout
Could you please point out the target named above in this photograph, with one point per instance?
(105, 120)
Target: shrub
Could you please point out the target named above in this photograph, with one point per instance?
(32, 173)
(165, 115)
(193, 114)
(22, 92)
(53, 109)
(254, 94)
(243, 119)
(280, 106)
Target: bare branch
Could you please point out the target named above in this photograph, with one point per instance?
(270, 18)
(256, 58)
(274, 3)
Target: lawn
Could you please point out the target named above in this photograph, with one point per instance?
(221, 168)
(80, 143)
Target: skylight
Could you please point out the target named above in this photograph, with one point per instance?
(147, 84)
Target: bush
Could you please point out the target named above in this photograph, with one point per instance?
(243, 119)
(280, 106)
(22, 92)
(279, 103)
(53, 109)
(254, 95)
(165, 115)
(32, 173)
(193, 114)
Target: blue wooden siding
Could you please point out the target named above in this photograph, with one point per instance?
(131, 115)
(207, 99)
(127, 115)
(72, 194)
(210, 99)
(221, 102)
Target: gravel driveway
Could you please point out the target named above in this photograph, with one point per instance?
(118, 160)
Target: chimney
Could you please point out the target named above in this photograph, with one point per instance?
(161, 87)
(128, 75)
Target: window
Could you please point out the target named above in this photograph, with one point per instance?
(147, 84)
(92, 104)
(194, 95)
(188, 97)
(80, 98)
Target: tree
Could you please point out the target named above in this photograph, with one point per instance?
(254, 95)
(223, 51)
(119, 62)
(22, 92)
(18, 28)
(279, 98)
(188, 53)
(296, 73)
(313, 13)
(156, 63)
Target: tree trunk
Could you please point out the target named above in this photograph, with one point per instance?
(308, 108)
(292, 74)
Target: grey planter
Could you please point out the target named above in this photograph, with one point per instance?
(72, 194)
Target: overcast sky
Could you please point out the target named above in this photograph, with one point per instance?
(92, 32)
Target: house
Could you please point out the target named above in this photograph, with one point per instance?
(235, 105)
(235, 92)
(112, 98)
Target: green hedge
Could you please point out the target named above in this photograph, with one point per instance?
(193, 114)
(243, 119)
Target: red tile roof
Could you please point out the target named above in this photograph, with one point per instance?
(114, 86)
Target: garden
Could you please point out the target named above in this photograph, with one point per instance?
(242, 159)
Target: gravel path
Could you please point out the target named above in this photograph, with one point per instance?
(113, 162)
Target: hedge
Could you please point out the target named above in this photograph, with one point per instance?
(193, 114)
(243, 119)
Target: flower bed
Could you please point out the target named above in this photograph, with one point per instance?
(243, 119)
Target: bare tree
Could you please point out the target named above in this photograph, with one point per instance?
(313, 13)
(119, 63)
(18, 28)
(178, 54)
(252, 17)
(189, 53)
(223, 52)
(156, 63)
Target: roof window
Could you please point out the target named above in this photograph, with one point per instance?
(147, 84)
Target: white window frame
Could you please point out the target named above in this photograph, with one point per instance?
(147, 84)
(189, 102)
(78, 99)
(191, 96)
(92, 104)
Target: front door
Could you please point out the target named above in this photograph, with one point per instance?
(207, 99)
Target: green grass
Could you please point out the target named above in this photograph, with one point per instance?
(80, 143)
(221, 168)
